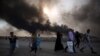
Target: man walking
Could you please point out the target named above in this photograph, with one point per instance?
(87, 42)
(12, 40)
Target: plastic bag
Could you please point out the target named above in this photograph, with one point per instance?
(70, 46)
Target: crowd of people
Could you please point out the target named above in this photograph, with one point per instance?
(74, 40)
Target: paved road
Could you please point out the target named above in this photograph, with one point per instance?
(47, 49)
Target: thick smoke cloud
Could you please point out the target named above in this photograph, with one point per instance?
(89, 17)
(16, 12)
(19, 14)
(79, 14)
(94, 13)
(90, 12)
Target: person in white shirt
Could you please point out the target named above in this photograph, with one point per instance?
(87, 42)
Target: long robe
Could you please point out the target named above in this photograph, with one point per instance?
(58, 44)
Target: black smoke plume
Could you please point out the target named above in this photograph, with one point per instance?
(90, 12)
(18, 13)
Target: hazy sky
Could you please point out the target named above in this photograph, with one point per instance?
(77, 14)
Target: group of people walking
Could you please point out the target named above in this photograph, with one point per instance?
(34, 43)
(73, 41)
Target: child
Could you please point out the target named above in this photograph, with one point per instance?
(35, 42)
